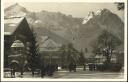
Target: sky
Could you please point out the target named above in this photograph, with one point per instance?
(76, 9)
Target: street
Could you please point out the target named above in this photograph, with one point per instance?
(79, 74)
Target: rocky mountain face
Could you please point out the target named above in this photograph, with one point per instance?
(95, 22)
(65, 28)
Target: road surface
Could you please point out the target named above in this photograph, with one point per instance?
(79, 74)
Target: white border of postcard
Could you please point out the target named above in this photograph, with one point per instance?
(38, 79)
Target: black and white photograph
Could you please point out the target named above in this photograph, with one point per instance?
(63, 40)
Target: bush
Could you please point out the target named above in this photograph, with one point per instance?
(100, 67)
(113, 67)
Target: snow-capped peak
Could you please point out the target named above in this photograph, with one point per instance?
(15, 10)
(99, 12)
(91, 14)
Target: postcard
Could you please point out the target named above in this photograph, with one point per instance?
(43, 40)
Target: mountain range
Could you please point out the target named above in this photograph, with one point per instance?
(65, 29)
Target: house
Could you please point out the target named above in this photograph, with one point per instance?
(16, 29)
(116, 57)
(50, 50)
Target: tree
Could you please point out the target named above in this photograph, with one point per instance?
(106, 43)
(120, 6)
(69, 54)
(33, 58)
(82, 58)
(72, 54)
(63, 56)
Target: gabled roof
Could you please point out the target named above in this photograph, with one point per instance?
(11, 24)
(49, 44)
(17, 43)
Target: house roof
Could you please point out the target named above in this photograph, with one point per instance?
(11, 24)
(15, 61)
(17, 43)
(49, 44)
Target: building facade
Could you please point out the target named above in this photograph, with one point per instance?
(15, 28)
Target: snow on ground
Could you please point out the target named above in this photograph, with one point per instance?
(79, 74)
